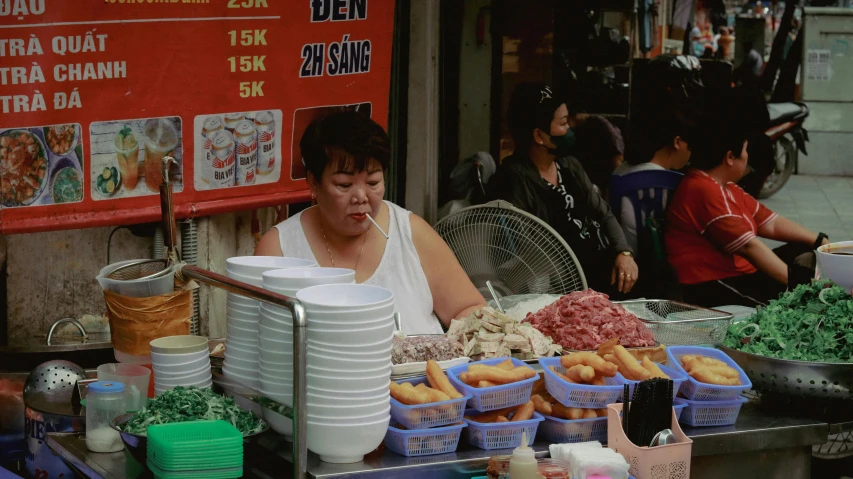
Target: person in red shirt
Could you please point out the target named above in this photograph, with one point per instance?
(713, 230)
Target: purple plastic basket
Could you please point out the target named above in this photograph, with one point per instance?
(679, 404)
(699, 391)
(423, 442)
(562, 431)
(501, 435)
(678, 378)
(579, 395)
(423, 416)
(711, 413)
(496, 397)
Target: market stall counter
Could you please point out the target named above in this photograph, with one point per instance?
(758, 445)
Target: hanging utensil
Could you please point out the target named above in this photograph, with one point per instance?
(495, 296)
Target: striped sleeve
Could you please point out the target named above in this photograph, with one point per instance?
(718, 216)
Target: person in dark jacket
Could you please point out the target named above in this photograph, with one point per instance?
(541, 178)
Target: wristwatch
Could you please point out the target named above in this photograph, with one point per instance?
(819, 241)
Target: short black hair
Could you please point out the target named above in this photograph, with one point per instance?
(348, 140)
(655, 131)
(531, 106)
(718, 134)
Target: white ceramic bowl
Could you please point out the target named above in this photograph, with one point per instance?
(257, 265)
(363, 355)
(388, 341)
(274, 357)
(348, 383)
(334, 363)
(837, 267)
(237, 332)
(278, 389)
(241, 311)
(241, 363)
(186, 380)
(275, 312)
(178, 368)
(185, 344)
(333, 321)
(337, 372)
(180, 374)
(278, 423)
(282, 398)
(275, 335)
(242, 301)
(353, 317)
(343, 444)
(252, 280)
(233, 314)
(242, 323)
(245, 348)
(353, 420)
(276, 368)
(341, 400)
(177, 359)
(342, 409)
(238, 371)
(253, 383)
(355, 393)
(333, 297)
(351, 335)
(296, 279)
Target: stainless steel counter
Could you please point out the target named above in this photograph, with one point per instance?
(759, 445)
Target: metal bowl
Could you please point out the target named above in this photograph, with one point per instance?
(137, 444)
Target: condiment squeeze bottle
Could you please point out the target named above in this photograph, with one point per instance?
(523, 464)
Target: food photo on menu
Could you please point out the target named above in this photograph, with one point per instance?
(237, 149)
(41, 165)
(127, 156)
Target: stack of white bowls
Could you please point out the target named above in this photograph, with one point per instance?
(242, 363)
(350, 330)
(180, 361)
(276, 335)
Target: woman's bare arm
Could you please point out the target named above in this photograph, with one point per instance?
(453, 294)
(269, 244)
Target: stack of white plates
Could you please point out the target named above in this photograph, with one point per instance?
(350, 329)
(180, 361)
(276, 338)
(242, 363)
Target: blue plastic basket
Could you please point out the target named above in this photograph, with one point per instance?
(678, 378)
(501, 435)
(423, 442)
(579, 395)
(562, 431)
(423, 416)
(711, 413)
(679, 404)
(496, 397)
(699, 391)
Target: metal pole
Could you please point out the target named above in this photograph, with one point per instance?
(300, 356)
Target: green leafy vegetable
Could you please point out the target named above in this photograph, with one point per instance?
(192, 404)
(811, 323)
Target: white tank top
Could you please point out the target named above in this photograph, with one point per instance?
(399, 269)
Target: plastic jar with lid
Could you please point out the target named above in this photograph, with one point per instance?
(104, 402)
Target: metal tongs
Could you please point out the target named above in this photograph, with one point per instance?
(170, 235)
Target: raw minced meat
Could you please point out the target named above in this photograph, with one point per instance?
(583, 320)
(417, 349)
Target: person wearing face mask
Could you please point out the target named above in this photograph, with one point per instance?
(346, 155)
(713, 227)
(541, 177)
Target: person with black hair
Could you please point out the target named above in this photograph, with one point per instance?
(346, 155)
(658, 144)
(541, 177)
(713, 227)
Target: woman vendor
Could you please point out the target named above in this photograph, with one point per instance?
(541, 178)
(713, 228)
(346, 156)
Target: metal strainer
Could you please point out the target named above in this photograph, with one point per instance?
(56, 377)
(147, 269)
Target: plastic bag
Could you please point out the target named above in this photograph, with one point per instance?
(134, 322)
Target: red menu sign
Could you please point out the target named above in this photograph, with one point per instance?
(94, 93)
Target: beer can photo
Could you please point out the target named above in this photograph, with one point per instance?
(265, 125)
(246, 141)
(211, 125)
(231, 120)
(223, 163)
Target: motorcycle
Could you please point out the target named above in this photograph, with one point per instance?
(789, 139)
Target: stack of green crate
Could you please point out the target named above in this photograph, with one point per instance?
(195, 450)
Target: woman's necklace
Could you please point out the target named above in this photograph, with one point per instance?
(329, 250)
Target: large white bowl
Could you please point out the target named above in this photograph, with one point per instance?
(176, 359)
(351, 316)
(330, 321)
(387, 341)
(296, 279)
(253, 383)
(275, 312)
(242, 363)
(199, 377)
(246, 348)
(352, 420)
(278, 423)
(274, 357)
(274, 334)
(362, 355)
(180, 374)
(353, 393)
(343, 444)
(257, 265)
(346, 410)
(837, 267)
(333, 297)
(179, 368)
(236, 332)
(242, 312)
(238, 371)
(253, 280)
(283, 393)
(242, 301)
(350, 365)
(351, 335)
(341, 399)
(330, 383)
(337, 372)
(242, 323)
